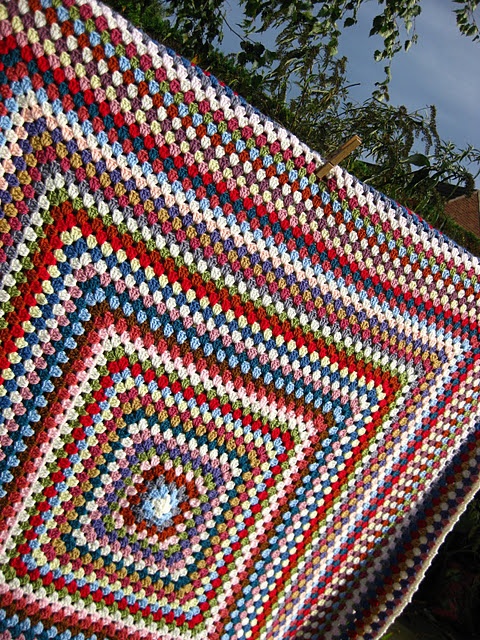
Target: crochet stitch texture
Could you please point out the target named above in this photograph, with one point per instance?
(237, 402)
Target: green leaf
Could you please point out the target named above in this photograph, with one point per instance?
(419, 160)
(377, 24)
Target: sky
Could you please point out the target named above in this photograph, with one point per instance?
(443, 68)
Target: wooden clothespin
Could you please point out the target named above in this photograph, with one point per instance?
(339, 155)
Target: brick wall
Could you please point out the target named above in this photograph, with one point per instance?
(466, 211)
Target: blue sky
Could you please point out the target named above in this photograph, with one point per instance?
(442, 69)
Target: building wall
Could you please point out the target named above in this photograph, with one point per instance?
(466, 211)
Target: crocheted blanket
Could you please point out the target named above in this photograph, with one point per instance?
(237, 401)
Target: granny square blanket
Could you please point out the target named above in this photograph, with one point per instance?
(238, 401)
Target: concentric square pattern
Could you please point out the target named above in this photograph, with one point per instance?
(237, 402)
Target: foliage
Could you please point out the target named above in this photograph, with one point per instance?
(303, 86)
(465, 15)
(307, 32)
